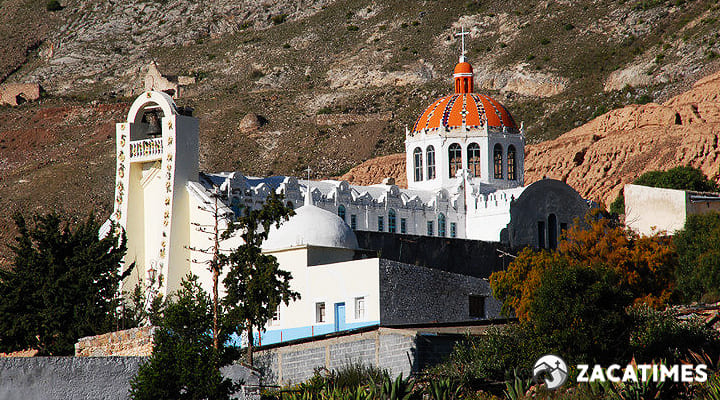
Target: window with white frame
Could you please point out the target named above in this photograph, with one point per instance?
(430, 156)
(360, 308)
(275, 321)
(320, 312)
(454, 159)
(417, 161)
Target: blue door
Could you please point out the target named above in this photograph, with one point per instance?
(339, 316)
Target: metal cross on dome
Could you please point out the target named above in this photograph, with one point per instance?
(462, 37)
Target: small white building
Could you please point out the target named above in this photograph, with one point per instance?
(465, 172)
(651, 210)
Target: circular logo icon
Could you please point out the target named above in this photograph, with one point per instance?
(552, 369)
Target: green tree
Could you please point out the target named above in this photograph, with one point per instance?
(579, 312)
(255, 284)
(63, 284)
(698, 248)
(682, 178)
(184, 364)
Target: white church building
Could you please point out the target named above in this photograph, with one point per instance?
(465, 182)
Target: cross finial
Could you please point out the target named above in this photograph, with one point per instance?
(462, 34)
(308, 170)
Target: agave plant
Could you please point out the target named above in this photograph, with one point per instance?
(399, 389)
(712, 388)
(444, 389)
(517, 388)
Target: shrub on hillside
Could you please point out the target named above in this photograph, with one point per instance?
(698, 248)
(53, 5)
(659, 335)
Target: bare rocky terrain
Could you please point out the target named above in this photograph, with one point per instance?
(323, 76)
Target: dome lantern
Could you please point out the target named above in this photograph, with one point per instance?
(463, 75)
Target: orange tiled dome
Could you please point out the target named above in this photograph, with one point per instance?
(470, 109)
(464, 107)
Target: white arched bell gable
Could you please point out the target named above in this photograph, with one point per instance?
(150, 99)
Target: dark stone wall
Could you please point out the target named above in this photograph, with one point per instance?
(410, 294)
(459, 256)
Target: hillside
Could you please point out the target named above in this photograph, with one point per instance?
(556, 65)
(598, 158)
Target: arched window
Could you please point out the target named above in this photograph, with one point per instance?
(341, 212)
(417, 159)
(236, 206)
(392, 221)
(473, 159)
(430, 157)
(497, 161)
(454, 159)
(441, 225)
(511, 175)
(552, 231)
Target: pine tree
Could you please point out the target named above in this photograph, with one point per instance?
(63, 285)
(255, 284)
(184, 363)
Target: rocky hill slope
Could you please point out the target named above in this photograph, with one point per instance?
(598, 158)
(323, 75)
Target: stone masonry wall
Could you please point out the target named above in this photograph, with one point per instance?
(130, 342)
(397, 350)
(410, 294)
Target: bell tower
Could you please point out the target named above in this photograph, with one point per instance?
(156, 155)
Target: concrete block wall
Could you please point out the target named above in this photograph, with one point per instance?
(129, 342)
(399, 351)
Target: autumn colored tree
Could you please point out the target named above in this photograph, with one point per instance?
(642, 265)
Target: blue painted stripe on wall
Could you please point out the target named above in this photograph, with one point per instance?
(284, 335)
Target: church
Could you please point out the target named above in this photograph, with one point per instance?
(465, 157)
